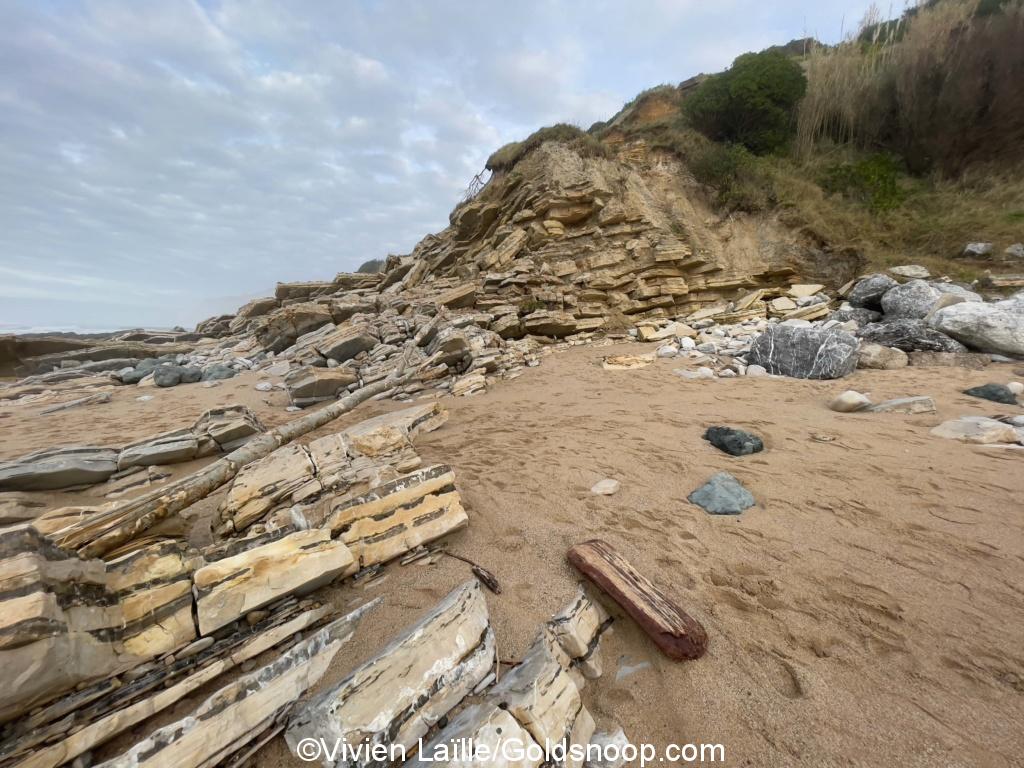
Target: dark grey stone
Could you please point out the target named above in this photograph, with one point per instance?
(735, 442)
(997, 393)
(805, 352)
(913, 299)
(868, 292)
(147, 364)
(218, 371)
(723, 494)
(167, 375)
(910, 335)
(859, 315)
(135, 376)
(191, 374)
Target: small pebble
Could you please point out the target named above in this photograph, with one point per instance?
(605, 487)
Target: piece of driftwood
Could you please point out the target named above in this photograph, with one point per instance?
(240, 711)
(233, 586)
(416, 680)
(393, 518)
(171, 689)
(96, 534)
(674, 631)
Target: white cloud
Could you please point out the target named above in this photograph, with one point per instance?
(157, 158)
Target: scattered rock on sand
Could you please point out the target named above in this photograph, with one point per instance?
(723, 494)
(605, 487)
(218, 371)
(805, 353)
(627, 362)
(733, 441)
(849, 401)
(919, 404)
(756, 370)
(878, 357)
(1016, 387)
(997, 393)
(977, 429)
(167, 376)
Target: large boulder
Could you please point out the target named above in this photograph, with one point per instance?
(911, 300)
(910, 335)
(805, 353)
(868, 292)
(957, 290)
(997, 327)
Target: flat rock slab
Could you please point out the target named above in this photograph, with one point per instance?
(997, 393)
(723, 494)
(920, 404)
(674, 631)
(242, 710)
(297, 563)
(627, 362)
(733, 441)
(977, 429)
(394, 698)
(53, 469)
(398, 516)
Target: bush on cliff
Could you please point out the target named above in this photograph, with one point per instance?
(753, 103)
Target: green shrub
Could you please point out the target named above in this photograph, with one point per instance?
(753, 103)
(873, 181)
(740, 180)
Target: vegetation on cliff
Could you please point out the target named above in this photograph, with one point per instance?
(902, 142)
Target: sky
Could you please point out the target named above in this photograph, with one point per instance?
(162, 161)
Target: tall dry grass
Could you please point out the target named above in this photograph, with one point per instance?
(941, 87)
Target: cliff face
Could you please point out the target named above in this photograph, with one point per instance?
(589, 239)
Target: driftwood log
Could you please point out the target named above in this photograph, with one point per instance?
(674, 631)
(99, 533)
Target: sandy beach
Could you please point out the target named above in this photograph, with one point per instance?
(867, 611)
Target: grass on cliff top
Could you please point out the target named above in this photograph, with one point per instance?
(506, 158)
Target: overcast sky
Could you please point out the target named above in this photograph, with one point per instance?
(165, 160)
